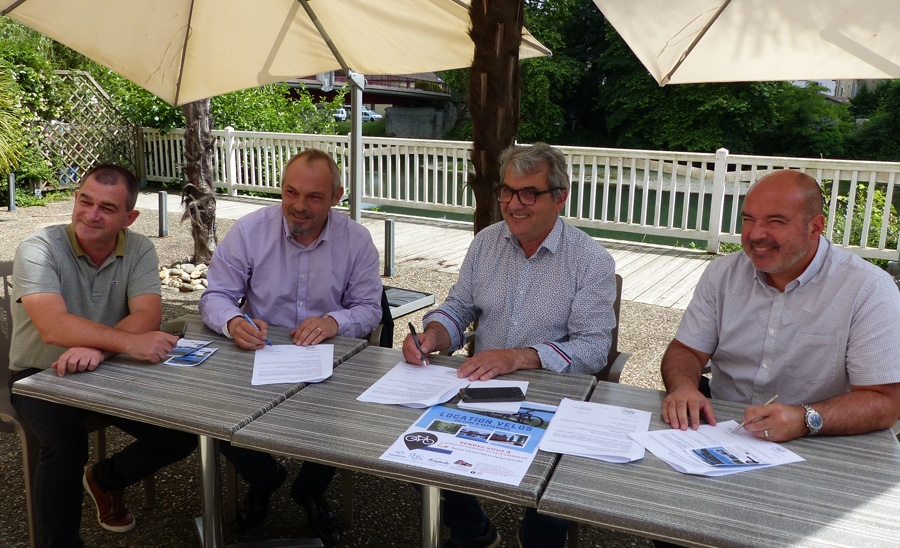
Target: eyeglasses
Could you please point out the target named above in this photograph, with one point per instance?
(526, 196)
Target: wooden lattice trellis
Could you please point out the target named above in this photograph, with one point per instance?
(93, 132)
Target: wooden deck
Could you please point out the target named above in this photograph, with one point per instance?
(652, 274)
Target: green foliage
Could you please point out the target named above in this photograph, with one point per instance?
(276, 108)
(698, 117)
(879, 138)
(804, 123)
(11, 134)
(273, 108)
(137, 104)
(858, 213)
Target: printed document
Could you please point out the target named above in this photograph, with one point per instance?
(489, 446)
(415, 386)
(596, 431)
(289, 363)
(714, 450)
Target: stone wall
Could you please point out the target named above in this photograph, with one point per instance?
(419, 122)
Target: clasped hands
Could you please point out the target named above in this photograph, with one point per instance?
(683, 407)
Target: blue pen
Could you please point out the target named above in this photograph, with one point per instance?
(246, 317)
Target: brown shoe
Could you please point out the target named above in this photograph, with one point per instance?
(111, 511)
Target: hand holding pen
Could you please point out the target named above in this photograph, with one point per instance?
(246, 317)
(773, 398)
(415, 338)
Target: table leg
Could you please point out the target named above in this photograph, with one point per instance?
(211, 502)
(431, 516)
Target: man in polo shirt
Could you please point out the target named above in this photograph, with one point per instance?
(543, 293)
(791, 316)
(82, 293)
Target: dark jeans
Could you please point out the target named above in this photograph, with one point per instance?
(260, 470)
(64, 453)
(467, 521)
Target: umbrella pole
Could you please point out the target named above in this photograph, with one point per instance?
(356, 146)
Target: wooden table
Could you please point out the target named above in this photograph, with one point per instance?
(846, 493)
(212, 400)
(325, 423)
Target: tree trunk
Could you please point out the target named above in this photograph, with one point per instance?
(494, 92)
(198, 194)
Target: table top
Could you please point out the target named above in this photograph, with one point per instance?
(214, 398)
(325, 423)
(846, 493)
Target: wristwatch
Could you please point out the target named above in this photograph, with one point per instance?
(813, 420)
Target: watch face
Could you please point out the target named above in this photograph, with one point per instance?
(815, 421)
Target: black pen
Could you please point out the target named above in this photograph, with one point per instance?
(416, 339)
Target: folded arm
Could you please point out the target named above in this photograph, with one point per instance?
(89, 342)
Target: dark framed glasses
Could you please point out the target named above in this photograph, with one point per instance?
(526, 196)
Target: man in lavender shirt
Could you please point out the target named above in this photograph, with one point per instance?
(307, 268)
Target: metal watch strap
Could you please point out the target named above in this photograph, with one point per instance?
(813, 430)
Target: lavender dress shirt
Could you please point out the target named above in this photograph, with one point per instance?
(285, 282)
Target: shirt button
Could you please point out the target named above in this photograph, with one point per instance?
(771, 331)
(300, 303)
(765, 366)
(303, 276)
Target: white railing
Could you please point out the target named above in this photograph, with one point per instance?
(687, 196)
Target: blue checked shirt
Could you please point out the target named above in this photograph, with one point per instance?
(836, 326)
(559, 301)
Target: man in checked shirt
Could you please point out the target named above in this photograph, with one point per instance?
(542, 292)
(791, 316)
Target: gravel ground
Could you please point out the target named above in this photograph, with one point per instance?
(392, 521)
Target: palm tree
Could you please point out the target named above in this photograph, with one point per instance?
(10, 123)
(198, 193)
(494, 93)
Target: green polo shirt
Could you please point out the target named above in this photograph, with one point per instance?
(51, 261)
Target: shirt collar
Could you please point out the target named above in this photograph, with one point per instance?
(323, 237)
(550, 243)
(118, 251)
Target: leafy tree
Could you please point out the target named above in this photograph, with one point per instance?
(878, 138)
(689, 117)
(804, 123)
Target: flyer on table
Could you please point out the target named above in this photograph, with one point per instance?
(488, 445)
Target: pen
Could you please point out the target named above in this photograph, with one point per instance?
(742, 422)
(416, 339)
(246, 317)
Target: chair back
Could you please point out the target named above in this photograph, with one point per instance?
(7, 413)
(614, 339)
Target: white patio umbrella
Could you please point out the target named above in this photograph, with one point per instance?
(185, 50)
(690, 41)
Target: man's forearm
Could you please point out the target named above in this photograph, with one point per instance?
(859, 411)
(681, 367)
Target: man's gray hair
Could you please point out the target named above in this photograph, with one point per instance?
(526, 160)
(312, 155)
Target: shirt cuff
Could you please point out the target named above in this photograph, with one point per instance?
(552, 358)
(225, 331)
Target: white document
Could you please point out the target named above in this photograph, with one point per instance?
(714, 450)
(596, 431)
(415, 386)
(289, 363)
(497, 406)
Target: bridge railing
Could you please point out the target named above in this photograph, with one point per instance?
(686, 196)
